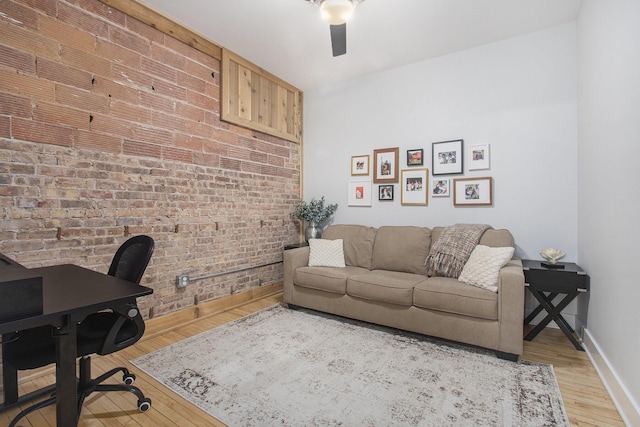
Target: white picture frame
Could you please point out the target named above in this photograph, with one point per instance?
(478, 157)
(359, 192)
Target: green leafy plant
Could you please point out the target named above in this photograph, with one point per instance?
(314, 211)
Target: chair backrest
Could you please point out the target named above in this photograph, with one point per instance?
(129, 263)
(131, 259)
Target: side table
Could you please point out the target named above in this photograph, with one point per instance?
(295, 245)
(545, 284)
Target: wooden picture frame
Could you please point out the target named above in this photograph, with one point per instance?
(415, 157)
(385, 165)
(447, 157)
(385, 192)
(479, 157)
(360, 165)
(414, 187)
(359, 192)
(473, 191)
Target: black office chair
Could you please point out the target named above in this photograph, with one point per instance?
(99, 333)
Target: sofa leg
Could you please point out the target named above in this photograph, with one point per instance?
(507, 356)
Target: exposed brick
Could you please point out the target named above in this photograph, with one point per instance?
(67, 34)
(26, 85)
(169, 90)
(28, 130)
(117, 54)
(18, 14)
(140, 150)
(12, 58)
(98, 141)
(61, 115)
(136, 148)
(116, 91)
(130, 41)
(85, 61)
(102, 10)
(5, 127)
(158, 69)
(27, 41)
(12, 105)
(130, 112)
(81, 19)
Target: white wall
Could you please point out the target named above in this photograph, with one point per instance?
(518, 95)
(608, 178)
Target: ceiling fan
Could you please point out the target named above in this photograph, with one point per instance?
(337, 13)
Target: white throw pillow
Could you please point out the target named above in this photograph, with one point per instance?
(483, 267)
(326, 253)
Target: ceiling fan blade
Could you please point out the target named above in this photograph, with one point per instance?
(339, 39)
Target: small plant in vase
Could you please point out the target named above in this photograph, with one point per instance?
(314, 213)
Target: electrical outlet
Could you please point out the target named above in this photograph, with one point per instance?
(182, 280)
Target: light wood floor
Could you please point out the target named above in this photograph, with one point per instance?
(585, 397)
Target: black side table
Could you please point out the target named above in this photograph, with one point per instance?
(568, 279)
(295, 245)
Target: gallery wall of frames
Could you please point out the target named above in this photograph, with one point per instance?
(439, 174)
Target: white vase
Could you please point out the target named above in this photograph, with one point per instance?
(312, 231)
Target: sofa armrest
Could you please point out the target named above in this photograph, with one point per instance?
(511, 307)
(292, 259)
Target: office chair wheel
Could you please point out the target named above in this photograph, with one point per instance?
(144, 405)
(128, 379)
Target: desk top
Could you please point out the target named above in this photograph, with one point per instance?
(70, 289)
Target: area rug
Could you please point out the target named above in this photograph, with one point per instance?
(284, 367)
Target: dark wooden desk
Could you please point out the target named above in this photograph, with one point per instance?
(70, 293)
(547, 283)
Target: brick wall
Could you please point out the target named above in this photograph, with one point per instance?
(108, 129)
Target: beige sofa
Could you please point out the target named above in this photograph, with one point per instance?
(385, 282)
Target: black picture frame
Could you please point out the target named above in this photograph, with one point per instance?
(415, 157)
(447, 157)
(385, 193)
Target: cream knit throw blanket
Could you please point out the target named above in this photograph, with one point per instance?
(450, 252)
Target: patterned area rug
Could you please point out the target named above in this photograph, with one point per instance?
(301, 368)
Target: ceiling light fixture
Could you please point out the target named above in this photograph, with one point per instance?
(336, 12)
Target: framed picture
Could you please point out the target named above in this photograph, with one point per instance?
(447, 157)
(473, 191)
(440, 187)
(360, 165)
(415, 157)
(478, 156)
(385, 165)
(359, 192)
(415, 187)
(385, 192)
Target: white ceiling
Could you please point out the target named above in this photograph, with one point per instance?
(288, 38)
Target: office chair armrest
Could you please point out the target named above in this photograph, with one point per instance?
(127, 312)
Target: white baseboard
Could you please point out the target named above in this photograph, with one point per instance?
(629, 410)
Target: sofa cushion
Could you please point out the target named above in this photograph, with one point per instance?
(452, 296)
(328, 279)
(401, 248)
(326, 253)
(483, 267)
(384, 286)
(357, 243)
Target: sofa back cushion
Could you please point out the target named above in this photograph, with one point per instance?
(493, 238)
(358, 243)
(401, 248)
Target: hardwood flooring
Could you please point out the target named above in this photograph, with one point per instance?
(586, 400)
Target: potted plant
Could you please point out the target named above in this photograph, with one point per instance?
(314, 213)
